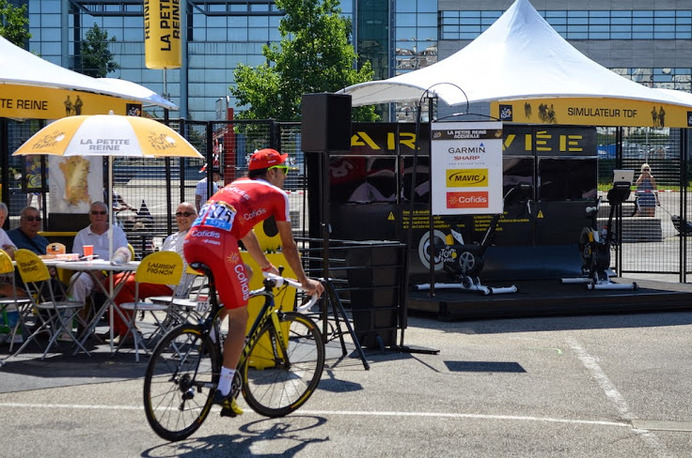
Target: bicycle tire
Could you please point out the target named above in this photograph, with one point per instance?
(274, 385)
(179, 383)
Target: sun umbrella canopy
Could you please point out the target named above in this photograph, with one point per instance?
(108, 135)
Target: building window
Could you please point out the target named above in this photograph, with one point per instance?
(581, 24)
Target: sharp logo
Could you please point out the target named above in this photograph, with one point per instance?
(467, 178)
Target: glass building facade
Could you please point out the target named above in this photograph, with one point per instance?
(649, 44)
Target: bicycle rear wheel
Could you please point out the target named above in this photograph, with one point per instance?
(179, 383)
(283, 368)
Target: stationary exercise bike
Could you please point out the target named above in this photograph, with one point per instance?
(465, 261)
(595, 246)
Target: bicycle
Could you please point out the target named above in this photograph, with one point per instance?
(595, 246)
(280, 366)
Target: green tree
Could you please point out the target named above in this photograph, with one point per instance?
(97, 59)
(14, 23)
(314, 55)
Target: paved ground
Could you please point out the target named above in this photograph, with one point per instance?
(615, 386)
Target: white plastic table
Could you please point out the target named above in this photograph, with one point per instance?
(92, 267)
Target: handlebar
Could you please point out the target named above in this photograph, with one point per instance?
(279, 281)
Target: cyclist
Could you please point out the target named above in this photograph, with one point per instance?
(226, 218)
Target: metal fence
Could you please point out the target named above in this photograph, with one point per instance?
(651, 246)
(154, 187)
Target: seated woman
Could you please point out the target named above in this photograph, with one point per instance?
(647, 194)
(184, 216)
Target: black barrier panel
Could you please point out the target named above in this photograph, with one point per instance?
(373, 221)
(376, 274)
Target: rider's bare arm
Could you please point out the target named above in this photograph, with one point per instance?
(252, 246)
(290, 251)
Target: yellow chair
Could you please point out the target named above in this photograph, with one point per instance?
(132, 251)
(11, 302)
(161, 268)
(44, 292)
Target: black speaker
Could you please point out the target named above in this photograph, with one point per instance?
(326, 123)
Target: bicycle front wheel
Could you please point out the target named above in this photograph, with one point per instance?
(179, 383)
(284, 366)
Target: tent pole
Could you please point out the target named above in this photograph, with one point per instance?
(110, 207)
(431, 217)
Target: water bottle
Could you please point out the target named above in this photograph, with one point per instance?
(121, 256)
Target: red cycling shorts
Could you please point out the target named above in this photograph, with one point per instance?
(218, 250)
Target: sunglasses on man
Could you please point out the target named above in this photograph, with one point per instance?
(283, 168)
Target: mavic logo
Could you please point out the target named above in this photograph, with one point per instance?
(467, 178)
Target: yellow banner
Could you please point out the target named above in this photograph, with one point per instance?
(162, 47)
(592, 112)
(30, 102)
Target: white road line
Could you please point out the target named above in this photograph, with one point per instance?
(465, 415)
(19, 405)
(614, 396)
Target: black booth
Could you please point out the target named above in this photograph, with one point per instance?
(371, 197)
(372, 186)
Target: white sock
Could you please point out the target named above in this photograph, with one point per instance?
(225, 380)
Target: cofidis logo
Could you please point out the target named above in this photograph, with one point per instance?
(467, 178)
(477, 199)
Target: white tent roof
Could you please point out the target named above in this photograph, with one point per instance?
(519, 57)
(18, 66)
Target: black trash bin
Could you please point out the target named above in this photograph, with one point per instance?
(376, 273)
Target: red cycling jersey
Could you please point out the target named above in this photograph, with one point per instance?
(227, 217)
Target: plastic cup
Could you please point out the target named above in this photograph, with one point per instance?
(88, 250)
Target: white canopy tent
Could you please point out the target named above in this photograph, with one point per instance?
(19, 67)
(519, 57)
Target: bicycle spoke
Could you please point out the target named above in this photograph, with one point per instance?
(179, 382)
(281, 376)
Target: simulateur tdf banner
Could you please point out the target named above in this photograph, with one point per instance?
(592, 112)
(466, 168)
(162, 38)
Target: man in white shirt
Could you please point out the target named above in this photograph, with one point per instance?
(185, 214)
(201, 196)
(95, 234)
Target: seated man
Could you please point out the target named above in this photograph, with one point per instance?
(26, 235)
(185, 214)
(96, 234)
